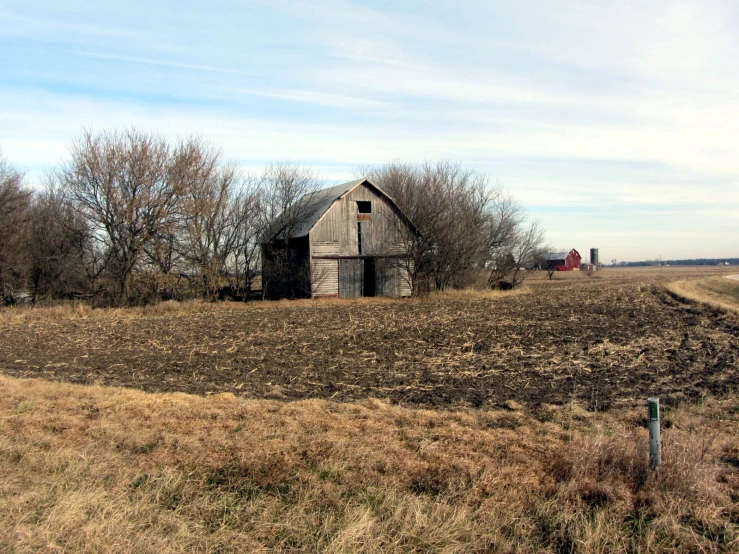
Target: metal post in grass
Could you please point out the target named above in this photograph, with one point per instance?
(654, 432)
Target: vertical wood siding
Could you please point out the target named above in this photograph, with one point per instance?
(350, 278)
(335, 234)
(324, 273)
(379, 231)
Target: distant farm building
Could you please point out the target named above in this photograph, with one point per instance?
(562, 261)
(349, 241)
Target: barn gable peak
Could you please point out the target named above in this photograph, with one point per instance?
(321, 200)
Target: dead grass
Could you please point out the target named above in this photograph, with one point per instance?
(80, 310)
(476, 294)
(617, 274)
(726, 288)
(92, 469)
(18, 315)
(717, 292)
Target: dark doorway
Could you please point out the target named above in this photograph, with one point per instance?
(369, 283)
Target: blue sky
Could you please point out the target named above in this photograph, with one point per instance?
(616, 123)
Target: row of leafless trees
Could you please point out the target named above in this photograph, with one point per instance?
(467, 227)
(131, 217)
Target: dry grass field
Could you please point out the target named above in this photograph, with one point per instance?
(94, 469)
(719, 292)
(465, 422)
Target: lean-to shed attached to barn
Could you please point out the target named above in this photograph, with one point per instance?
(348, 241)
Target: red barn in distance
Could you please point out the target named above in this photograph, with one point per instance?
(562, 261)
(572, 261)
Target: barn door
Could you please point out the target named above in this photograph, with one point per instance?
(369, 284)
(350, 278)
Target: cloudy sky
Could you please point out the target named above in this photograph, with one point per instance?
(616, 123)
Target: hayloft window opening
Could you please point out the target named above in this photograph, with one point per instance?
(364, 206)
(359, 236)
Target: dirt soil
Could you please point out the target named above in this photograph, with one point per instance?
(602, 344)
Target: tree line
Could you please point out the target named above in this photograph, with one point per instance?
(691, 261)
(130, 217)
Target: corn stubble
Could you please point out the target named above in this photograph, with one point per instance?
(601, 342)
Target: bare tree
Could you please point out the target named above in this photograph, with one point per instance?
(464, 223)
(414, 261)
(286, 200)
(57, 233)
(543, 262)
(526, 246)
(503, 219)
(15, 203)
(13, 195)
(247, 247)
(126, 185)
(94, 256)
(210, 217)
(449, 207)
(512, 243)
(460, 243)
(286, 195)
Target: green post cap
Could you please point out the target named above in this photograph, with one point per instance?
(653, 409)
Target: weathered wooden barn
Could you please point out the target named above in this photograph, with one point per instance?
(349, 241)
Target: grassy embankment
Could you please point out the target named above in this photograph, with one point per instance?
(93, 469)
(718, 292)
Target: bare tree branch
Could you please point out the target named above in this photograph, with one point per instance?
(126, 185)
(15, 203)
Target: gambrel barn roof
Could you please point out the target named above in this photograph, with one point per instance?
(553, 256)
(557, 256)
(320, 201)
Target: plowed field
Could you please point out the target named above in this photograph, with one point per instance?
(602, 343)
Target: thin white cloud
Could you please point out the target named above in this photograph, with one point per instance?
(316, 97)
(438, 84)
(18, 24)
(162, 63)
